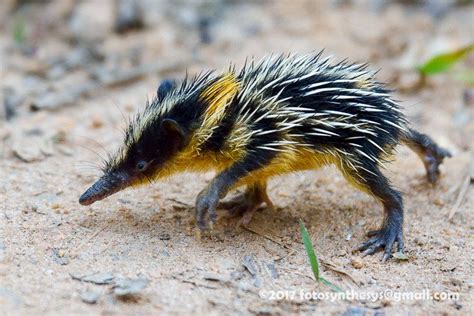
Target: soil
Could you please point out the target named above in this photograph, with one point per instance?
(48, 242)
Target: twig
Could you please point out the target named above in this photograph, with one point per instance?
(462, 193)
(228, 283)
(332, 267)
(74, 252)
(179, 202)
(297, 272)
(195, 283)
(271, 238)
(290, 253)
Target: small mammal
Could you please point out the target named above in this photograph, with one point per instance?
(280, 115)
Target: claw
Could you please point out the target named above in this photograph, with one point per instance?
(206, 206)
(229, 205)
(202, 224)
(212, 215)
(369, 251)
(400, 245)
(372, 233)
(382, 239)
(246, 204)
(373, 248)
(247, 216)
(366, 244)
(433, 159)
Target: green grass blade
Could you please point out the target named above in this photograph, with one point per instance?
(465, 76)
(19, 32)
(333, 287)
(313, 260)
(308, 245)
(443, 62)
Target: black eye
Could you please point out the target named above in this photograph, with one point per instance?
(141, 165)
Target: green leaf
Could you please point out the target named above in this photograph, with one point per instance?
(400, 256)
(19, 32)
(313, 260)
(443, 62)
(308, 245)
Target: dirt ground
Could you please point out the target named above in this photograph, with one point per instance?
(48, 157)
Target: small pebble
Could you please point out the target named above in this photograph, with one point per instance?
(90, 297)
(96, 122)
(468, 97)
(357, 263)
(455, 282)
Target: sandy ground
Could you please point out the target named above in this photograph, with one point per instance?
(46, 237)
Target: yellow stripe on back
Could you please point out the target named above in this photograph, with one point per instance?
(217, 97)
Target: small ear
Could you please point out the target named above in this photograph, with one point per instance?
(165, 87)
(174, 130)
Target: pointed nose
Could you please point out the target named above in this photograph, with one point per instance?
(107, 185)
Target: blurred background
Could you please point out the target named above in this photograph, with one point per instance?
(72, 71)
(55, 53)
